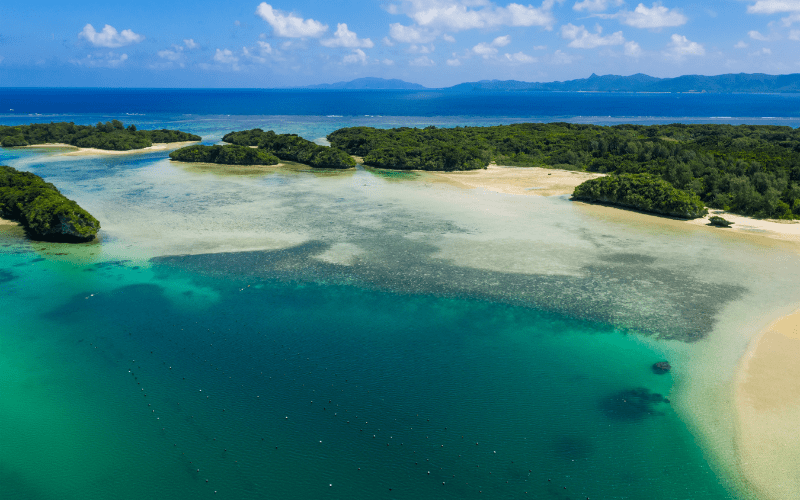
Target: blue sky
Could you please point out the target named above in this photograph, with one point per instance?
(433, 42)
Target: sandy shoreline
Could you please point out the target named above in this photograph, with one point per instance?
(161, 146)
(767, 398)
(517, 180)
(5, 222)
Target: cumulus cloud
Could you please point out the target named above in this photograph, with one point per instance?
(519, 58)
(289, 25)
(346, 38)
(388, 62)
(175, 54)
(109, 60)
(680, 46)
(794, 35)
(225, 57)
(582, 39)
(596, 5)
(448, 38)
(357, 57)
(487, 50)
(422, 61)
(410, 34)
(109, 37)
(190, 44)
(258, 53)
(632, 49)
(459, 15)
(421, 49)
(755, 35)
(643, 17)
(560, 57)
(741, 45)
(773, 6)
(453, 62)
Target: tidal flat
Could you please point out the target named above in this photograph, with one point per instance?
(355, 335)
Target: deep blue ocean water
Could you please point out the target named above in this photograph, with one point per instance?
(127, 372)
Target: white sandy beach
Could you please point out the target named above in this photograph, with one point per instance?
(518, 180)
(161, 146)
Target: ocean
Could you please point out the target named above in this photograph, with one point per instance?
(358, 335)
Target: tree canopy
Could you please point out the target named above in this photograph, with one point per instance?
(109, 135)
(291, 147)
(229, 154)
(747, 169)
(44, 212)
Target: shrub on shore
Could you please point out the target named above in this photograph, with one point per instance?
(291, 147)
(229, 154)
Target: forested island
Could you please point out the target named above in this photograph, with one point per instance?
(229, 154)
(111, 135)
(43, 211)
(747, 169)
(291, 147)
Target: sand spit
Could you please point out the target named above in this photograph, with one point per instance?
(518, 180)
(768, 411)
(161, 146)
(4, 222)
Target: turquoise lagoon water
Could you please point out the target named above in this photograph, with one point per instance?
(299, 334)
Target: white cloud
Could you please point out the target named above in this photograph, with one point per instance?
(422, 61)
(794, 35)
(582, 39)
(346, 38)
(596, 5)
(654, 17)
(773, 6)
(755, 35)
(519, 58)
(680, 46)
(560, 57)
(109, 37)
(453, 62)
(289, 25)
(791, 19)
(421, 49)
(388, 62)
(459, 15)
(741, 45)
(225, 57)
(386, 41)
(632, 49)
(190, 44)
(448, 38)
(171, 55)
(259, 52)
(487, 50)
(410, 34)
(357, 57)
(109, 60)
(539, 47)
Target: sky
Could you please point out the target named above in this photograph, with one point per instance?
(436, 43)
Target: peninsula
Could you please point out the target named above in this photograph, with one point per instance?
(111, 136)
(43, 211)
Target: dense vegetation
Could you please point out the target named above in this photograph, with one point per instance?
(110, 135)
(42, 209)
(644, 192)
(748, 169)
(229, 154)
(291, 147)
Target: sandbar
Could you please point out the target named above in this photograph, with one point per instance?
(4, 222)
(160, 146)
(767, 398)
(536, 181)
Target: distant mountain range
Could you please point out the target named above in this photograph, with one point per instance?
(729, 83)
(369, 83)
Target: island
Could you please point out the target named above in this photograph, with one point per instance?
(229, 154)
(112, 136)
(751, 170)
(42, 210)
(291, 147)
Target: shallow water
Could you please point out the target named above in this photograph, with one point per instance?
(498, 342)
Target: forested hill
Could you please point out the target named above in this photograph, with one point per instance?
(729, 83)
(747, 169)
(111, 135)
